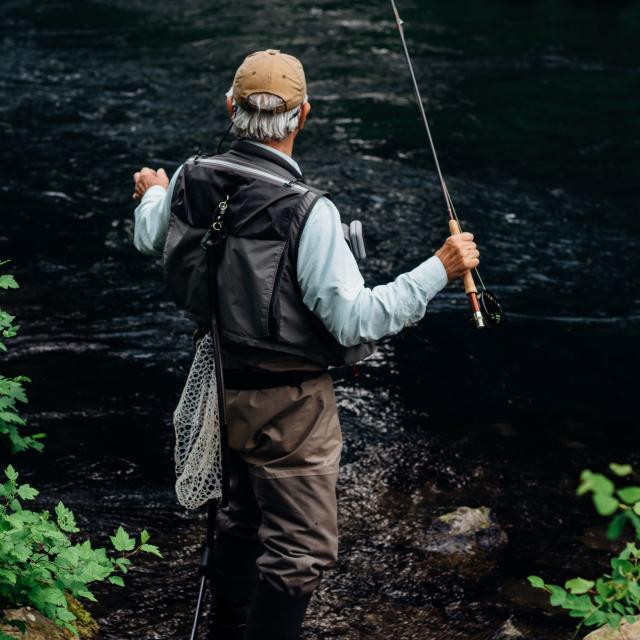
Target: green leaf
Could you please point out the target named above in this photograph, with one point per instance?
(595, 482)
(621, 565)
(579, 585)
(65, 615)
(7, 576)
(634, 590)
(614, 620)
(558, 595)
(27, 492)
(617, 526)
(581, 603)
(54, 596)
(11, 473)
(144, 536)
(151, 548)
(117, 580)
(621, 469)
(605, 505)
(12, 417)
(122, 541)
(629, 495)
(66, 519)
(122, 564)
(596, 618)
(536, 582)
(85, 593)
(636, 508)
(603, 588)
(8, 282)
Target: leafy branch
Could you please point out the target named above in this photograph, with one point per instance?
(615, 596)
(12, 391)
(40, 565)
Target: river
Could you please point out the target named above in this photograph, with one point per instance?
(534, 108)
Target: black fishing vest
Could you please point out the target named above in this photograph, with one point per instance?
(259, 298)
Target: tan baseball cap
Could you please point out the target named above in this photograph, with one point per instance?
(272, 72)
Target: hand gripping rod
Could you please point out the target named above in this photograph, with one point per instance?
(454, 223)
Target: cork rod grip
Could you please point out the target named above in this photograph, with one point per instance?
(469, 284)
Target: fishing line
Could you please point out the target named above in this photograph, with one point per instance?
(485, 306)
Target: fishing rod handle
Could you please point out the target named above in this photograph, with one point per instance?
(469, 284)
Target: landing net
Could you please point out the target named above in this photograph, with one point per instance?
(197, 425)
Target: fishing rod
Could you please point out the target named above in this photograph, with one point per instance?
(487, 311)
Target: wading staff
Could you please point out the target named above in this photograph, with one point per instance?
(206, 563)
(485, 307)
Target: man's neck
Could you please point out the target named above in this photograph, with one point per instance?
(284, 146)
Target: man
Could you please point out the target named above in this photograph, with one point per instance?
(291, 303)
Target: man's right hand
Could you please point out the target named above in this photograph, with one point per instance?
(459, 254)
(146, 178)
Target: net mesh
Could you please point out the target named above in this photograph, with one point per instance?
(197, 425)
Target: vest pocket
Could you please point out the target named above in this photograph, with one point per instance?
(248, 284)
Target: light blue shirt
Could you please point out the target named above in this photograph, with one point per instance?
(331, 283)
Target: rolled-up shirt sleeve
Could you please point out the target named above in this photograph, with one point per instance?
(334, 290)
(152, 218)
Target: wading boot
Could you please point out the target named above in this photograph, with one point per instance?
(234, 578)
(275, 615)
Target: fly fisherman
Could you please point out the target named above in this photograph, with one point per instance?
(291, 302)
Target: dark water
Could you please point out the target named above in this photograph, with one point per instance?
(535, 111)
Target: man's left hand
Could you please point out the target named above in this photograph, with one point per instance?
(146, 178)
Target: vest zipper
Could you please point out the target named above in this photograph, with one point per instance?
(273, 325)
(265, 175)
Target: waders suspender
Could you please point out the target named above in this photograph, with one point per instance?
(211, 244)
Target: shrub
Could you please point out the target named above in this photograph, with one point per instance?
(40, 564)
(615, 596)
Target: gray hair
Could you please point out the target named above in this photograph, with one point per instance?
(261, 123)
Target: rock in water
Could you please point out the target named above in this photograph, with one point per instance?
(41, 628)
(38, 627)
(508, 631)
(630, 631)
(467, 538)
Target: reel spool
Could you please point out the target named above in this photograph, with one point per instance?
(491, 309)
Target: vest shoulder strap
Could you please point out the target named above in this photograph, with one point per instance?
(253, 170)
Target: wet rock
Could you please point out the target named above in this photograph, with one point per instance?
(466, 542)
(508, 631)
(466, 530)
(626, 632)
(38, 627)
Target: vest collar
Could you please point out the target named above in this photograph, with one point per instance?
(249, 149)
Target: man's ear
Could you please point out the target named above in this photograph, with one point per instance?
(230, 109)
(304, 114)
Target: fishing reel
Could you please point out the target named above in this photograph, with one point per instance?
(491, 309)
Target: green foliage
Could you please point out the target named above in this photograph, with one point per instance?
(12, 390)
(623, 503)
(615, 596)
(39, 563)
